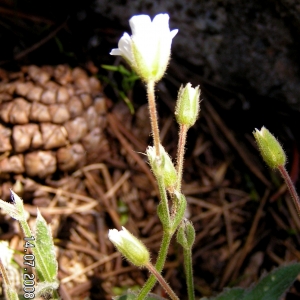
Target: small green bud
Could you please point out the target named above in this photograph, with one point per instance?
(130, 247)
(163, 216)
(162, 166)
(180, 203)
(188, 105)
(186, 234)
(270, 149)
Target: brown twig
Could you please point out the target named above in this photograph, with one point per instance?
(127, 146)
(251, 236)
(22, 15)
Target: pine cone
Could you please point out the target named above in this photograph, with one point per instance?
(51, 118)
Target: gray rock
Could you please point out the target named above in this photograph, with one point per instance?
(250, 45)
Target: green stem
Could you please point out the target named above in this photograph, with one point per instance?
(153, 116)
(55, 295)
(291, 188)
(162, 281)
(188, 266)
(162, 255)
(180, 154)
(166, 221)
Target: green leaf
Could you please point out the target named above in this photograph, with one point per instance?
(10, 209)
(132, 296)
(110, 68)
(45, 249)
(11, 294)
(275, 284)
(229, 294)
(270, 287)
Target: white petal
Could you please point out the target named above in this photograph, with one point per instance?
(116, 51)
(125, 46)
(114, 236)
(161, 20)
(139, 24)
(148, 49)
(173, 33)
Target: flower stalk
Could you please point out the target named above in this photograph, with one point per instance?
(147, 51)
(162, 255)
(290, 187)
(153, 116)
(186, 238)
(188, 268)
(186, 113)
(180, 154)
(162, 281)
(274, 155)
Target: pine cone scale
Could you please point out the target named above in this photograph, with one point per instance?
(51, 118)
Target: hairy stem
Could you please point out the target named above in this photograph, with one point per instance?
(188, 266)
(291, 188)
(153, 116)
(158, 266)
(162, 281)
(180, 154)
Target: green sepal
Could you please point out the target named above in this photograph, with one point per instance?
(162, 166)
(141, 66)
(163, 215)
(186, 234)
(180, 207)
(270, 149)
(190, 234)
(188, 105)
(130, 247)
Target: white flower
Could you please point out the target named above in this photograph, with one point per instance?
(129, 246)
(148, 49)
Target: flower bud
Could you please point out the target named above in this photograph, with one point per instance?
(188, 105)
(180, 204)
(162, 166)
(186, 234)
(130, 247)
(148, 49)
(270, 149)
